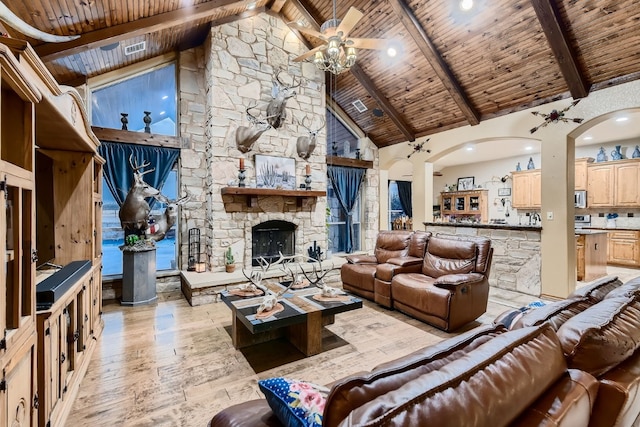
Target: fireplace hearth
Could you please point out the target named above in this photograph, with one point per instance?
(270, 238)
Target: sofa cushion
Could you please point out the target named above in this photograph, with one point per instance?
(295, 403)
(603, 335)
(556, 313)
(446, 256)
(490, 385)
(598, 289)
(484, 249)
(391, 244)
(632, 287)
(358, 275)
(418, 243)
(352, 392)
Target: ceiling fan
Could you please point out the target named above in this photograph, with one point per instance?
(338, 48)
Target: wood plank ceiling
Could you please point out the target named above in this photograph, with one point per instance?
(455, 68)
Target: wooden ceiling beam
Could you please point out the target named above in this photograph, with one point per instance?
(276, 5)
(553, 28)
(419, 35)
(117, 33)
(365, 81)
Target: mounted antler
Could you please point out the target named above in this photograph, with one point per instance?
(161, 224)
(247, 136)
(280, 93)
(306, 144)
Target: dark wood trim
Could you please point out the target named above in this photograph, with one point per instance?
(417, 32)
(345, 161)
(126, 136)
(553, 28)
(276, 5)
(252, 194)
(383, 102)
(95, 39)
(311, 20)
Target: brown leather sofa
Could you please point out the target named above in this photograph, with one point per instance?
(585, 373)
(442, 280)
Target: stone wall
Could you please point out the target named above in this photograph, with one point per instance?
(516, 262)
(241, 60)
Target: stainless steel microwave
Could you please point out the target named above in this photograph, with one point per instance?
(580, 199)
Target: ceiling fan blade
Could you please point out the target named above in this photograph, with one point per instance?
(349, 21)
(305, 30)
(379, 44)
(310, 53)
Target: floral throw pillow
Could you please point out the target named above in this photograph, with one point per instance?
(295, 403)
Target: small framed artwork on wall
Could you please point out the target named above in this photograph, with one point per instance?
(504, 191)
(465, 183)
(275, 172)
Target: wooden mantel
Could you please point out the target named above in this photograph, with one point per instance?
(252, 193)
(345, 161)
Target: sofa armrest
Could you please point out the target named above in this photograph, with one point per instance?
(362, 259)
(454, 281)
(405, 261)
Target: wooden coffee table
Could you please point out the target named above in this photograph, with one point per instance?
(304, 316)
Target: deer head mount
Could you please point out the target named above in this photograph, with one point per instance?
(307, 143)
(159, 225)
(134, 212)
(247, 136)
(281, 92)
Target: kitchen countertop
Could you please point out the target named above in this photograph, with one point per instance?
(481, 225)
(585, 231)
(612, 229)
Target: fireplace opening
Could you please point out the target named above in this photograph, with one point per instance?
(270, 238)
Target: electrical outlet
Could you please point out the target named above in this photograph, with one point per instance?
(550, 216)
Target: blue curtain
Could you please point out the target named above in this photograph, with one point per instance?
(346, 183)
(118, 172)
(404, 193)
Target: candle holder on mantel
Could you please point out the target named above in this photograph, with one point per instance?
(124, 120)
(241, 177)
(307, 182)
(147, 121)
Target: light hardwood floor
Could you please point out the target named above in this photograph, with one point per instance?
(170, 364)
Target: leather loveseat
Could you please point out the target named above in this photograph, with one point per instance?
(560, 366)
(442, 280)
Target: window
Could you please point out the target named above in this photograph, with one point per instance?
(113, 235)
(153, 92)
(346, 143)
(395, 208)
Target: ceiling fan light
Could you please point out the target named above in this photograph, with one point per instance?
(351, 55)
(333, 48)
(318, 58)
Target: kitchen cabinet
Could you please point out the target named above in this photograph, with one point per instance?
(591, 255)
(623, 248)
(527, 189)
(614, 184)
(470, 204)
(581, 168)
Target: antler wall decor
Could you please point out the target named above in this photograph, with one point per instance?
(418, 147)
(555, 116)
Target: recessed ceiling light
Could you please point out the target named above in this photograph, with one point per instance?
(391, 51)
(470, 148)
(588, 138)
(528, 148)
(466, 4)
(622, 119)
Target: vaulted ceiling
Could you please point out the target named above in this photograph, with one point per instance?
(455, 68)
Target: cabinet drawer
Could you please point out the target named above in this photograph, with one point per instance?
(624, 234)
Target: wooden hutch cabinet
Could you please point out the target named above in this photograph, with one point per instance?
(50, 184)
(470, 204)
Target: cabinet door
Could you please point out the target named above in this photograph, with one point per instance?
(600, 186)
(521, 194)
(580, 257)
(446, 204)
(581, 174)
(20, 390)
(627, 179)
(536, 189)
(623, 251)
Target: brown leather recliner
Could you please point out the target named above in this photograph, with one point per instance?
(453, 287)
(359, 272)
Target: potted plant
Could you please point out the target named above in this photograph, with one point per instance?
(229, 261)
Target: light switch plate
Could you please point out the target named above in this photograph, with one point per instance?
(550, 216)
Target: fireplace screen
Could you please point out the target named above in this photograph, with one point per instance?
(270, 238)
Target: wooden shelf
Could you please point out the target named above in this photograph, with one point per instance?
(345, 161)
(252, 193)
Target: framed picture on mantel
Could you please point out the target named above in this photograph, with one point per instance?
(275, 172)
(465, 183)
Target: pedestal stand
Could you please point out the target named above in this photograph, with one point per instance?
(139, 276)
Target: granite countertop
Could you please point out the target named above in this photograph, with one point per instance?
(486, 226)
(612, 228)
(585, 231)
